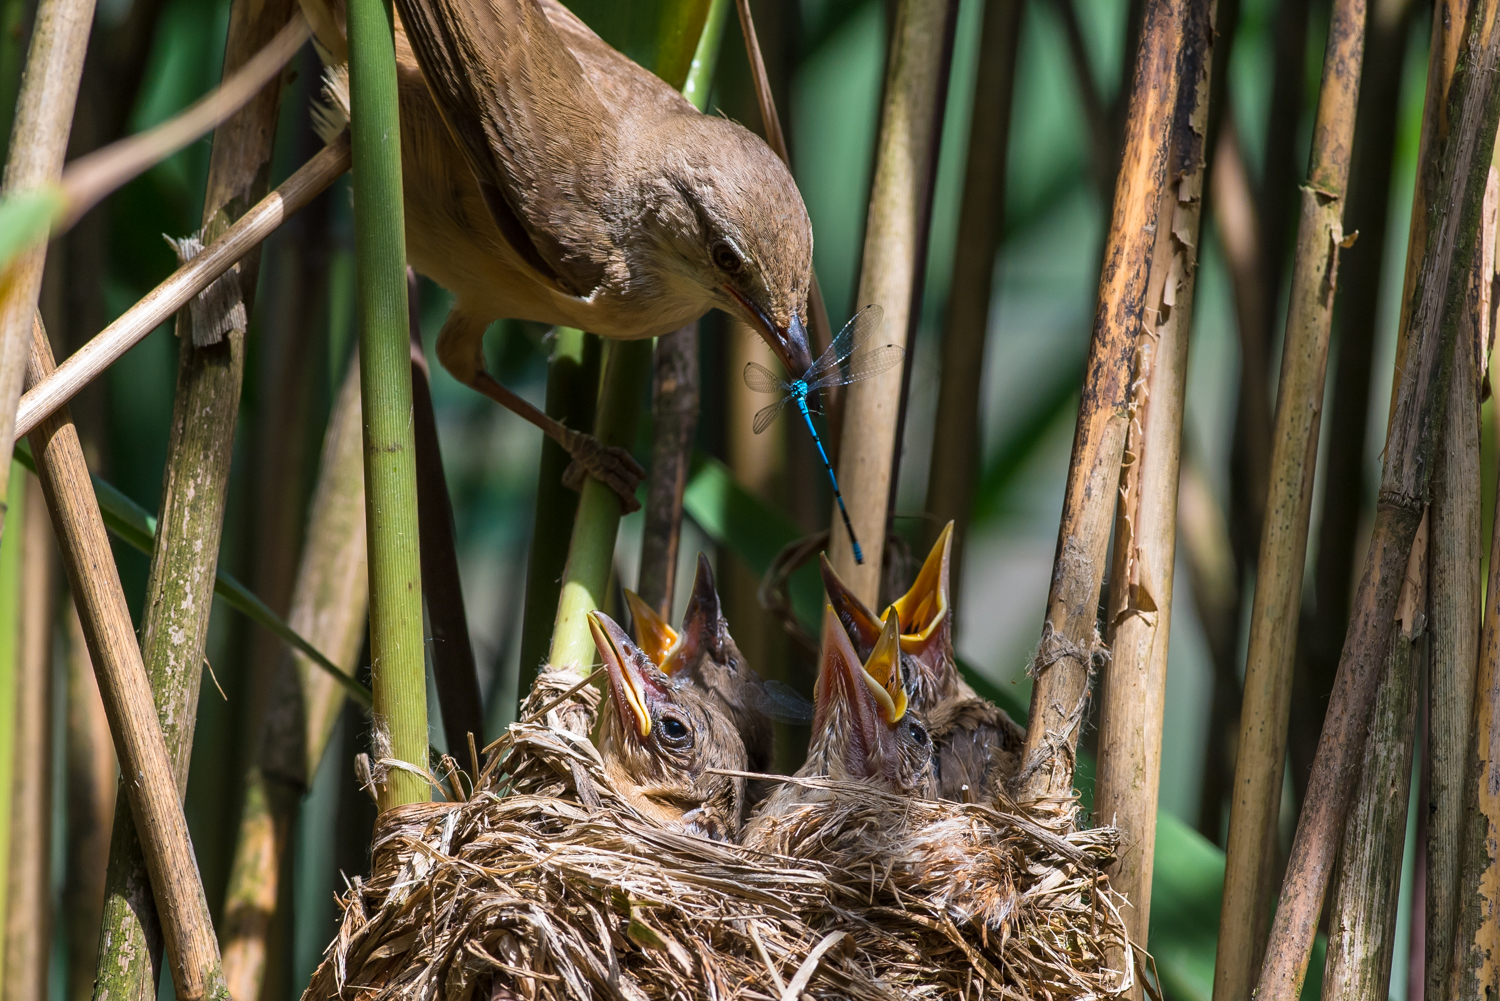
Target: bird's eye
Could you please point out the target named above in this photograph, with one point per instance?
(674, 732)
(725, 257)
(918, 734)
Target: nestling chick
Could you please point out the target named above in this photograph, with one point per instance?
(549, 178)
(863, 731)
(659, 743)
(977, 744)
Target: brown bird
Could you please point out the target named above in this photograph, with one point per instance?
(660, 743)
(704, 655)
(977, 744)
(863, 731)
(548, 177)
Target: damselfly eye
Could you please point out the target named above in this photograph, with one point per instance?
(725, 257)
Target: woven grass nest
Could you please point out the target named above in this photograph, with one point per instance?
(545, 884)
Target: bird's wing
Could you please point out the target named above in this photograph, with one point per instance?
(532, 127)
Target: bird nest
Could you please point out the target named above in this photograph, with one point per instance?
(545, 884)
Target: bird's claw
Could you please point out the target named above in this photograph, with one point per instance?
(615, 467)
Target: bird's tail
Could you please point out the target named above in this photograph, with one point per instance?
(327, 20)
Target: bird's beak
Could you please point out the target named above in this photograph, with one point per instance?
(789, 342)
(923, 611)
(630, 680)
(870, 710)
(858, 621)
(700, 623)
(882, 674)
(652, 634)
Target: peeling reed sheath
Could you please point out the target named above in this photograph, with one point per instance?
(1064, 662)
(38, 142)
(396, 649)
(1458, 174)
(1259, 766)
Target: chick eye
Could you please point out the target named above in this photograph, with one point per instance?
(918, 734)
(674, 732)
(725, 257)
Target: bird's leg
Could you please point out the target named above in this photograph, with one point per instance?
(460, 349)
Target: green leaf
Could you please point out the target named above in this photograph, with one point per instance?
(26, 217)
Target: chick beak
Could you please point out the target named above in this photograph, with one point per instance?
(922, 612)
(652, 634)
(789, 342)
(629, 682)
(700, 623)
(858, 621)
(872, 707)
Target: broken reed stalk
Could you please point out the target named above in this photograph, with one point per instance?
(195, 489)
(591, 551)
(453, 669)
(1064, 661)
(674, 419)
(396, 647)
(1126, 782)
(328, 606)
(28, 901)
(91, 781)
(38, 142)
(981, 224)
(904, 149)
(1455, 612)
(1458, 176)
(155, 806)
(183, 285)
(1259, 765)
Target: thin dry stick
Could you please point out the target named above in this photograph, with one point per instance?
(28, 917)
(328, 605)
(955, 434)
(887, 277)
(1126, 784)
(674, 420)
(205, 408)
(1259, 766)
(38, 142)
(1064, 660)
(252, 228)
(154, 804)
(1460, 172)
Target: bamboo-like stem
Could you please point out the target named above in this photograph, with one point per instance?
(38, 142)
(28, 904)
(183, 285)
(328, 604)
(674, 420)
(453, 670)
(1455, 615)
(888, 276)
(1259, 766)
(153, 793)
(396, 651)
(1126, 784)
(1458, 177)
(205, 409)
(955, 434)
(1064, 661)
(12, 573)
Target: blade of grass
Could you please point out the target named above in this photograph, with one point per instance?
(12, 573)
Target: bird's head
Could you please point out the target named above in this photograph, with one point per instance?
(863, 728)
(727, 219)
(659, 742)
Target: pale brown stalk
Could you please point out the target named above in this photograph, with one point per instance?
(893, 240)
(38, 143)
(1459, 175)
(674, 419)
(1259, 765)
(1064, 661)
(252, 228)
(1126, 784)
(28, 902)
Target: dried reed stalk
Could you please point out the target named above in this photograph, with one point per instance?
(1065, 660)
(674, 419)
(153, 793)
(1458, 176)
(38, 142)
(1126, 783)
(954, 465)
(28, 902)
(1259, 767)
(894, 240)
(92, 774)
(12, 574)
